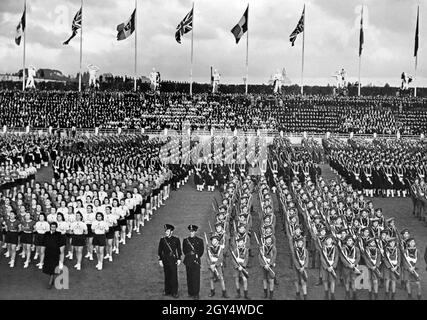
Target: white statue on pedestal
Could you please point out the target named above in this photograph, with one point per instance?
(278, 81)
(216, 78)
(406, 80)
(93, 70)
(30, 79)
(155, 80)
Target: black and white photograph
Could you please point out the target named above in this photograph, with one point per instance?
(213, 157)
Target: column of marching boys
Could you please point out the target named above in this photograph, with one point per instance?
(344, 232)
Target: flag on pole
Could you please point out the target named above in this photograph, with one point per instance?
(240, 28)
(127, 28)
(20, 29)
(299, 28)
(185, 26)
(77, 24)
(417, 34)
(362, 35)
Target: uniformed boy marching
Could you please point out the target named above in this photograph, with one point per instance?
(240, 255)
(169, 259)
(267, 259)
(215, 259)
(193, 248)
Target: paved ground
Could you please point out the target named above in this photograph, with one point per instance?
(135, 273)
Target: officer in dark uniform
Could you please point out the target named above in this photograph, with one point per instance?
(193, 248)
(169, 259)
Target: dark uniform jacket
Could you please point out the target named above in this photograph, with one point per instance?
(169, 250)
(193, 250)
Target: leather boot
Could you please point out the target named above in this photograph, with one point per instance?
(246, 295)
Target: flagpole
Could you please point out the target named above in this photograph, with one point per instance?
(360, 66)
(136, 44)
(360, 57)
(24, 46)
(192, 55)
(81, 51)
(416, 53)
(247, 55)
(303, 48)
(415, 76)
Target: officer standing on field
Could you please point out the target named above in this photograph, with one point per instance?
(169, 259)
(193, 248)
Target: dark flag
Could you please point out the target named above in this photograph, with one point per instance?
(127, 28)
(20, 29)
(77, 24)
(185, 26)
(240, 28)
(299, 29)
(361, 36)
(417, 33)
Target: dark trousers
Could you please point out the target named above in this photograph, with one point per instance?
(193, 279)
(171, 278)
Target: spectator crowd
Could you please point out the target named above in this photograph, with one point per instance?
(314, 114)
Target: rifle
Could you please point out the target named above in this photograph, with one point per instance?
(244, 271)
(304, 272)
(355, 269)
(264, 258)
(326, 259)
(210, 258)
(215, 204)
(415, 273)
(370, 264)
(210, 227)
(397, 273)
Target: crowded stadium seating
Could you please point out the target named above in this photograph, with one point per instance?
(313, 114)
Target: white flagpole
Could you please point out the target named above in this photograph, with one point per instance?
(360, 53)
(136, 44)
(247, 55)
(416, 57)
(81, 50)
(303, 48)
(24, 46)
(192, 55)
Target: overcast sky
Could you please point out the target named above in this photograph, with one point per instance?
(331, 40)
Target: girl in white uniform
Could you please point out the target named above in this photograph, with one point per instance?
(63, 208)
(130, 203)
(125, 212)
(111, 220)
(121, 222)
(90, 217)
(79, 231)
(80, 208)
(63, 228)
(138, 210)
(70, 217)
(52, 216)
(41, 227)
(102, 194)
(99, 228)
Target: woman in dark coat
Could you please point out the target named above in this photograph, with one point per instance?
(52, 242)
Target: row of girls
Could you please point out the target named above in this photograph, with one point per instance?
(96, 208)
